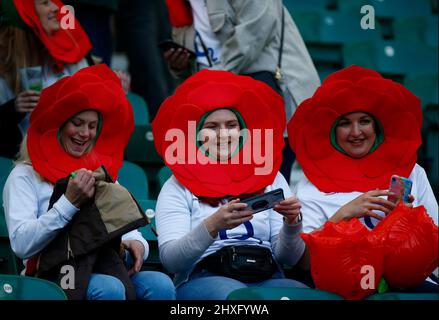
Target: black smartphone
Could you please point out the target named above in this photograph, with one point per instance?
(165, 45)
(264, 201)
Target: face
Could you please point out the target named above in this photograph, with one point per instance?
(355, 134)
(78, 134)
(220, 134)
(46, 11)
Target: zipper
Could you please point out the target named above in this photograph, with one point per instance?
(69, 249)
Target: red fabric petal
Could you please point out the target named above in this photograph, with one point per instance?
(349, 90)
(94, 88)
(260, 107)
(65, 45)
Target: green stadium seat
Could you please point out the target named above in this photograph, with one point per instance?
(424, 86)
(404, 296)
(13, 287)
(430, 143)
(163, 175)
(326, 31)
(132, 177)
(148, 232)
(307, 5)
(140, 109)
(417, 29)
(388, 8)
(259, 293)
(8, 260)
(141, 147)
(390, 57)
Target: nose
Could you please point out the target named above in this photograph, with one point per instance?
(53, 7)
(84, 132)
(356, 130)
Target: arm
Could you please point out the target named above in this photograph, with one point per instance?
(288, 246)
(29, 233)
(254, 28)
(423, 192)
(180, 245)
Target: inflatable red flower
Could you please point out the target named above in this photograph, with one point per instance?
(65, 45)
(411, 241)
(349, 90)
(262, 111)
(346, 259)
(97, 88)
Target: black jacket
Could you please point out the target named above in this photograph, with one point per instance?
(90, 243)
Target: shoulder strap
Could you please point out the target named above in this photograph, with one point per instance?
(278, 74)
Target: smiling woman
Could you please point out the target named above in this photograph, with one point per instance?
(69, 160)
(355, 134)
(79, 133)
(47, 11)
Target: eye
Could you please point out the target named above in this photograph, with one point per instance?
(76, 123)
(343, 123)
(365, 121)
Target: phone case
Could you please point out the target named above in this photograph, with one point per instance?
(169, 44)
(402, 187)
(265, 201)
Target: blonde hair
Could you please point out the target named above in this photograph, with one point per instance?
(18, 49)
(23, 154)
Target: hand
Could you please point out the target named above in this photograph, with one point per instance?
(228, 216)
(125, 79)
(178, 60)
(410, 203)
(363, 206)
(137, 251)
(80, 188)
(26, 101)
(289, 208)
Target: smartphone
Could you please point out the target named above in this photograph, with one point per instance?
(402, 187)
(165, 45)
(264, 201)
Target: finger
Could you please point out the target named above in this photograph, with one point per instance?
(383, 202)
(168, 54)
(411, 198)
(372, 214)
(31, 93)
(237, 206)
(377, 193)
(131, 272)
(243, 214)
(378, 207)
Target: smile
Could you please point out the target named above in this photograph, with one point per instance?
(79, 142)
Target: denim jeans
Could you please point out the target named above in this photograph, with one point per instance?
(204, 285)
(149, 285)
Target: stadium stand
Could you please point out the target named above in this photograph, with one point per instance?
(13, 287)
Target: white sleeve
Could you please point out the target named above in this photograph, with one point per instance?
(423, 193)
(29, 233)
(312, 208)
(180, 244)
(136, 235)
(287, 245)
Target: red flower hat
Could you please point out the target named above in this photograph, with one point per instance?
(349, 90)
(65, 45)
(260, 107)
(96, 88)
